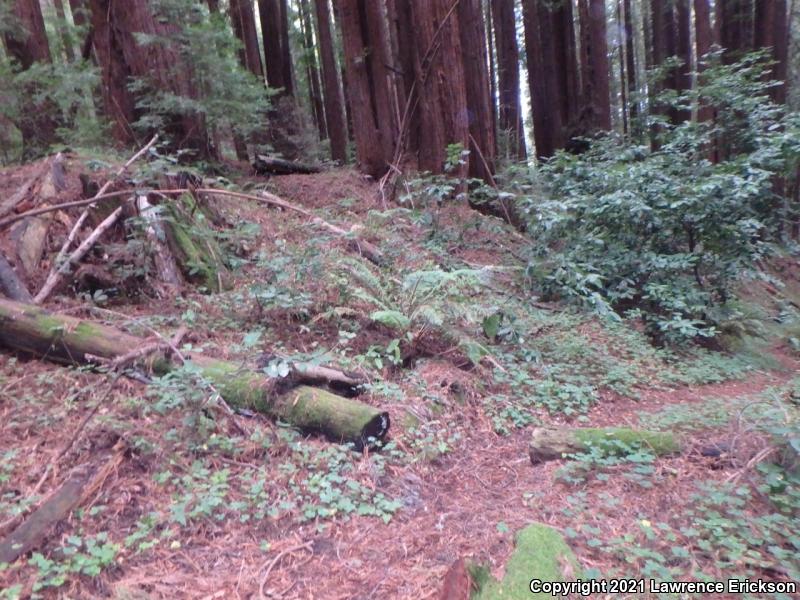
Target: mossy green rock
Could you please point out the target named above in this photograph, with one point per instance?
(540, 553)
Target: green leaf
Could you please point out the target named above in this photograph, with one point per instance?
(491, 325)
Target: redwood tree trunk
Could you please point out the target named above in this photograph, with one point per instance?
(366, 129)
(286, 52)
(734, 22)
(472, 31)
(271, 26)
(562, 23)
(630, 67)
(312, 69)
(244, 25)
(772, 31)
(122, 58)
(703, 41)
(598, 76)
(510, 113)
(442, 109)
(27, 46)
(334, 109)
(683, 73)
(547, 125)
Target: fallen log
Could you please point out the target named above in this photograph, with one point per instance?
(271, 165)
(540, 554)
(82, 483)
(163, 259)
(552, 443)
(70, 340)
(10, 284)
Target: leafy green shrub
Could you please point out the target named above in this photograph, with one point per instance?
(664, 233)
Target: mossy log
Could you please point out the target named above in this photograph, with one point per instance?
(540, 554)
(272, 165)
(552, 443)
(75, 341)
(192, 243)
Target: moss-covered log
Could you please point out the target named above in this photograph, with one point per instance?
(75, 341)
(540, 554)
(551, 443)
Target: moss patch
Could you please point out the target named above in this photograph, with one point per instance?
(540, 553)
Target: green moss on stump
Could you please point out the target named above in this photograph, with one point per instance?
(540, 553)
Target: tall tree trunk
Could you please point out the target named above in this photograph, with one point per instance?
(243, 20)
(683, 50)
(703, 41)
(334, 110)
(600, 94)
(510, 114)
(630, 68)
(734, 22)
(562, 24)
(402, 37)
(772, 31)
(487, 17)
(286, 51)
(121, 57)
(438, 67)
(366, 129)
(472, 31)
(378, 57)
(26, 46)
(271, 26)
(244, 26)
(63, 31)
(623, 82)
(312, 68)
(547, 125)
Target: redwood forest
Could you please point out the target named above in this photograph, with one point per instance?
(399, 299)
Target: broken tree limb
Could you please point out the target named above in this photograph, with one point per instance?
(368, 250)
(554, 443)
(270, 165)
(73, 341)
(62, 253)
(10, 284)
(82, 483)
(55, 278)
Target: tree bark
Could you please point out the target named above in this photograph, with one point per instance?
(562, 23)
(286, 49)
(244, 26)
(548, 131)
(334, 110)
(734, 23)
(312, 70)
(366, 131)
(510, 113)
(271, 30)
(683, 49)
(69, 340)
(772, 31)
(441, 115)
(483, 146)
(26, 46)
(631, 74)
(122, 58)
(600, 95)
(703, 42)
(10, 283)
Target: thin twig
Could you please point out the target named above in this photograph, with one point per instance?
(271, 565)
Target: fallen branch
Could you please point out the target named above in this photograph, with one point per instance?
(368, 250)
(10, 204)
(80, 485)
(79, 223)
(74, 341)
(55, 278)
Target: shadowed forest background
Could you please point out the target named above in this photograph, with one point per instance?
(397, 298)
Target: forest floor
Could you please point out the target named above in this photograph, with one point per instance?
(208, 505)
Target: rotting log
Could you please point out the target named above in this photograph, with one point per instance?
(75, 341)
(10, 283)
(554, 443)
(270, 165)
(166, 267)
(81, 483)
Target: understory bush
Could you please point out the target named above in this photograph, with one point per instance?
(660, 230)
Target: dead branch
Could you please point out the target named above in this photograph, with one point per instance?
(80, 252)
(10, 284)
